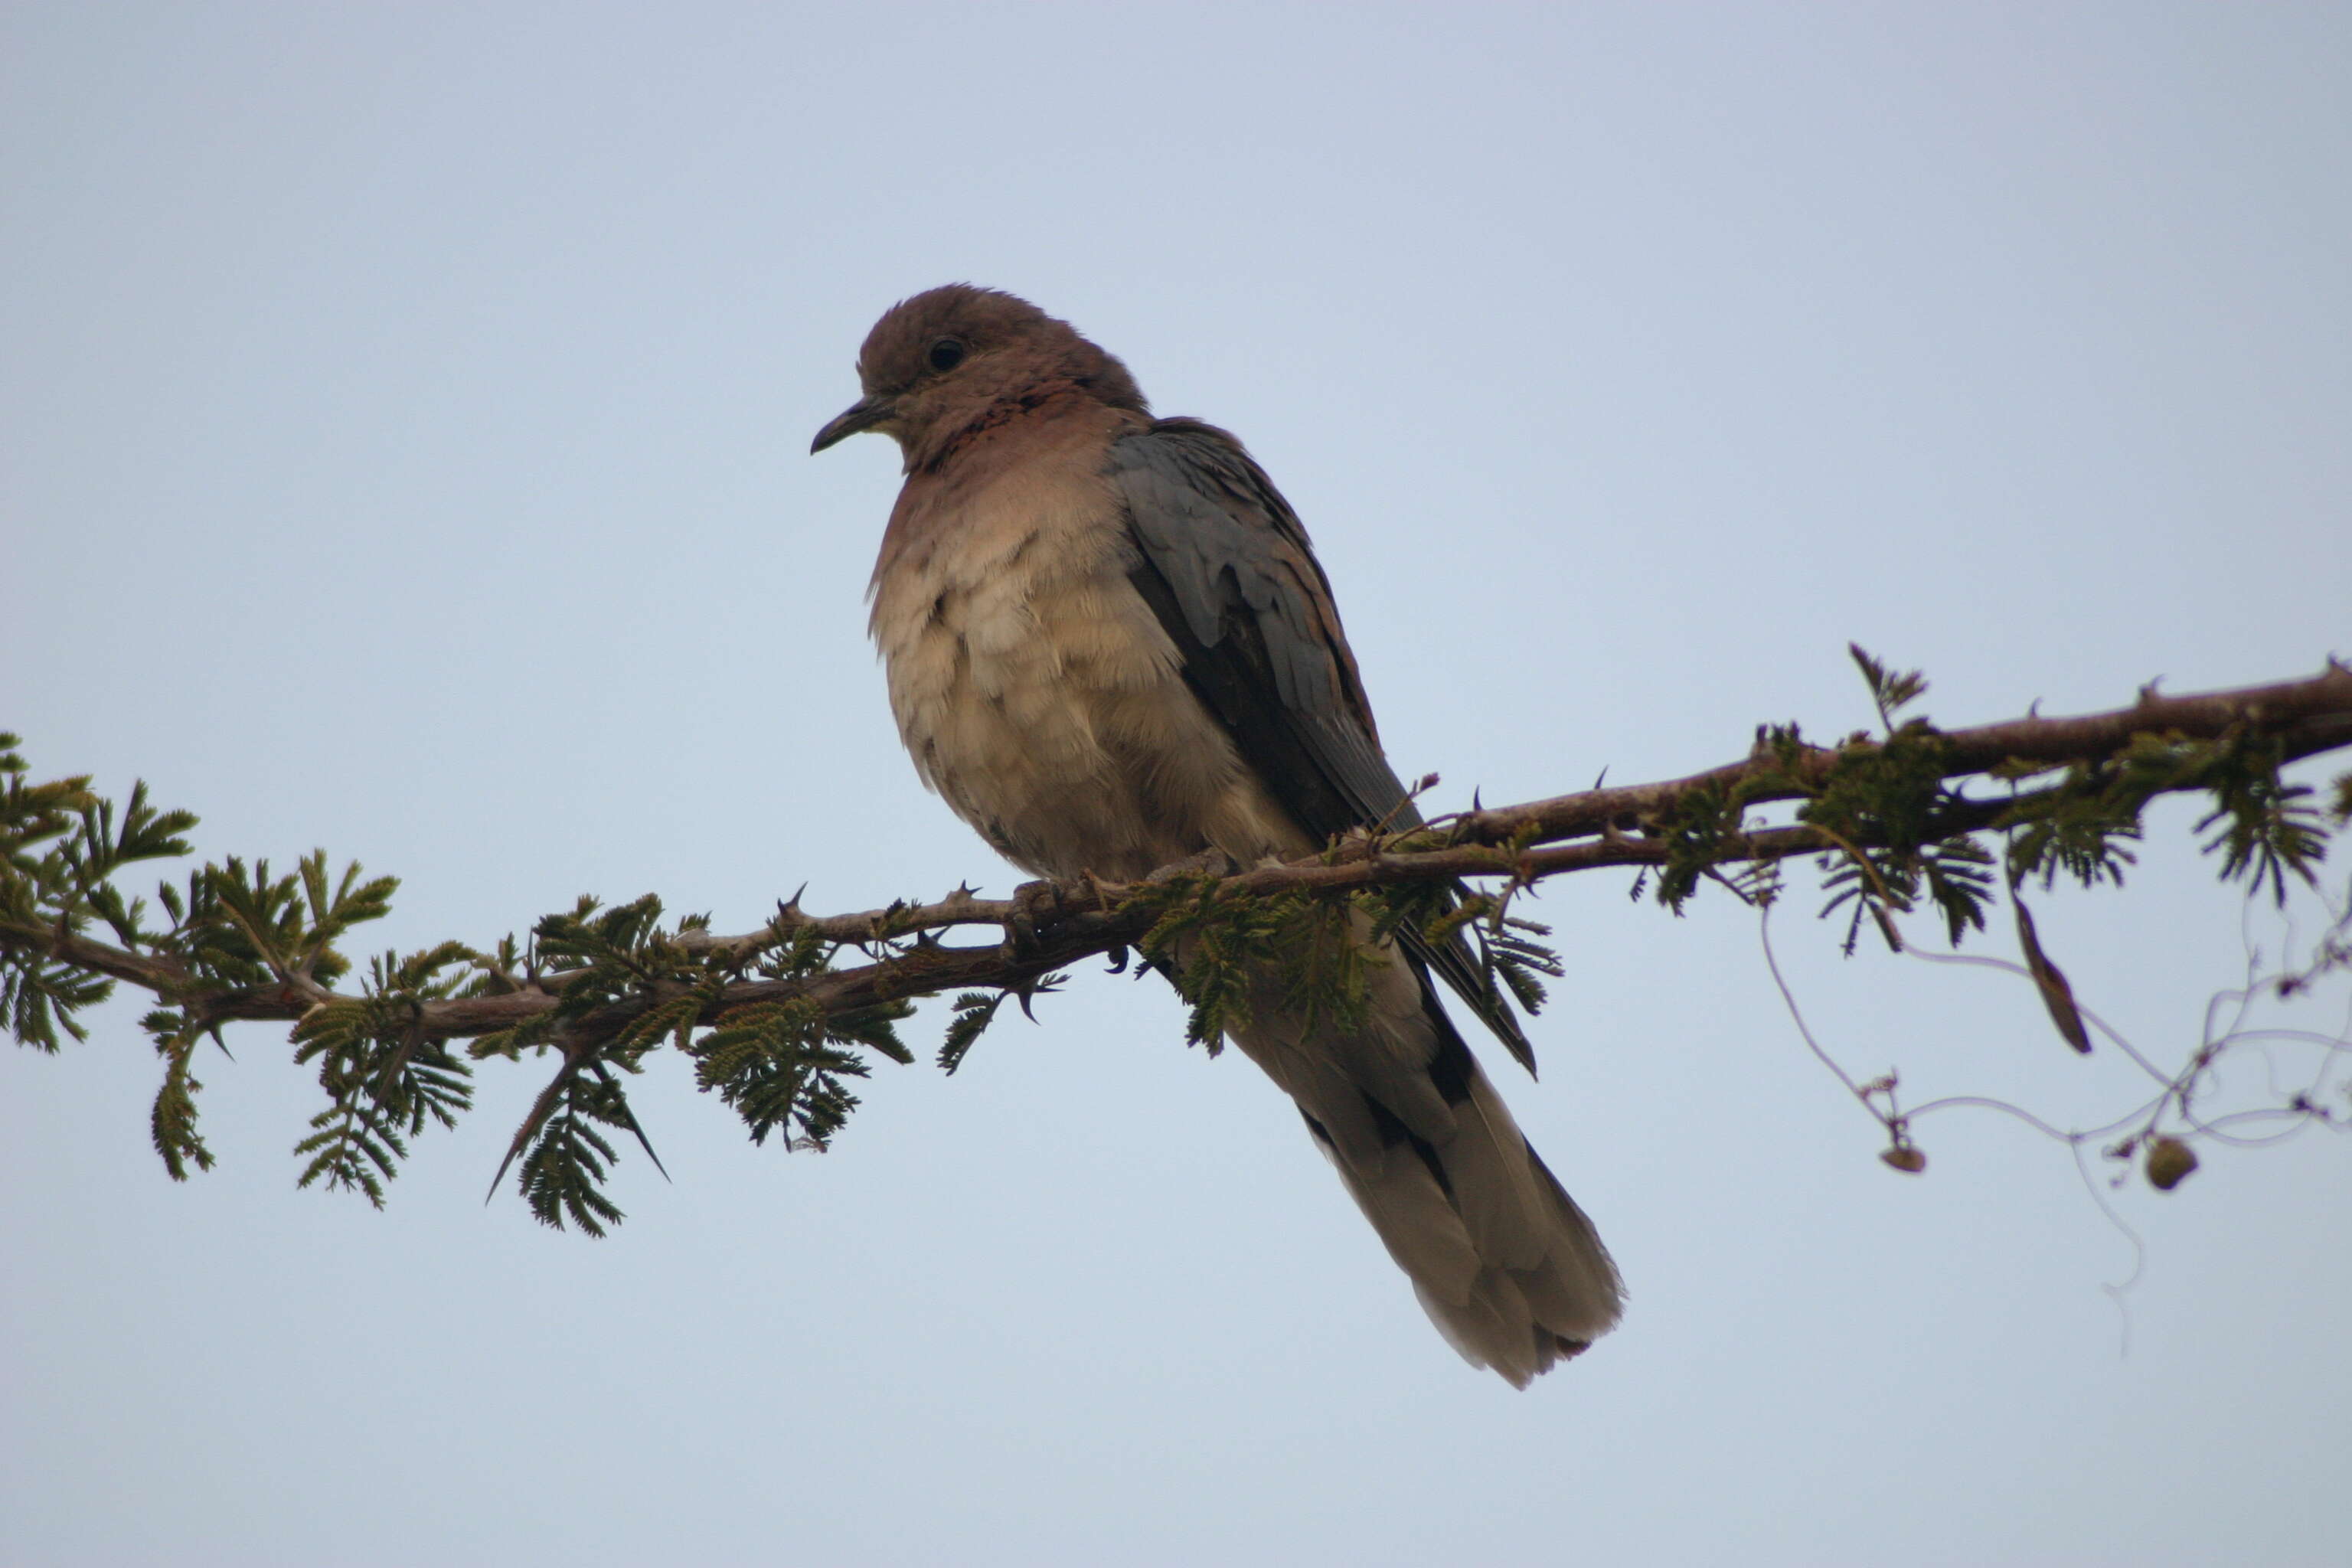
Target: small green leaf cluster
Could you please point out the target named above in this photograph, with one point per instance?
(772, 1063)
(383, 1075)
(970, 1014)
(1707, 828)
(234, 930)
(1900, 830)
(632, 986)
(1897, 826)
(565, 1158)
(1211, 944)
(1901, 834)
(1503, 945)
(2264, 829)
(781, 1064)
(1310, 955)
(59, 846)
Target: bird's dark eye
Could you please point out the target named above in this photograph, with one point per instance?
(945, 354)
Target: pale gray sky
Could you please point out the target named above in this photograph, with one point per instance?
(405, 416)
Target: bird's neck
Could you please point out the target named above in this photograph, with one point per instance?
(1003, 422)
(1027, 450)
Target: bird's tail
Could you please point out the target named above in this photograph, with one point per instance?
(1507, 1265)
(1536, 1286)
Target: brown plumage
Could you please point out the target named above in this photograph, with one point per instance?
(1110, 646)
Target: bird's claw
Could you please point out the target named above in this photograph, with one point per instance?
(1035, 907)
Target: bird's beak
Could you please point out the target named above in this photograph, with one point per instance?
(863, 414)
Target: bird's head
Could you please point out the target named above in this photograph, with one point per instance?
(942, 362)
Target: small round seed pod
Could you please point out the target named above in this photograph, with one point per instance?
(2170, 1160)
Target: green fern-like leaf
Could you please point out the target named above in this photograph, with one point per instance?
(973, 1012)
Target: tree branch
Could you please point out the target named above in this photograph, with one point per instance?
(1052, 926)
(2309, 716)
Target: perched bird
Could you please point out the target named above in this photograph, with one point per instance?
(1110, 647)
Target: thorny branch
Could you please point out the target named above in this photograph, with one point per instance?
(777, 1025)
(1077, 920)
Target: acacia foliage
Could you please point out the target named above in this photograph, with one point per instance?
(778, 1025)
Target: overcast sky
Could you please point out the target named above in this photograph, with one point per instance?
(404, 416)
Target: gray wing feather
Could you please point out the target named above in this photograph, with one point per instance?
(1226, 566)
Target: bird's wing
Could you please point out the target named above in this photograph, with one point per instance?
(1226, 568)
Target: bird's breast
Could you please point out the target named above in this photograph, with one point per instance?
(1039, 696)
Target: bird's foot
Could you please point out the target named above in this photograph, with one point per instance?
(1036, 906)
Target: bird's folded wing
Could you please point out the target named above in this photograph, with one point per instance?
(1226, 567)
